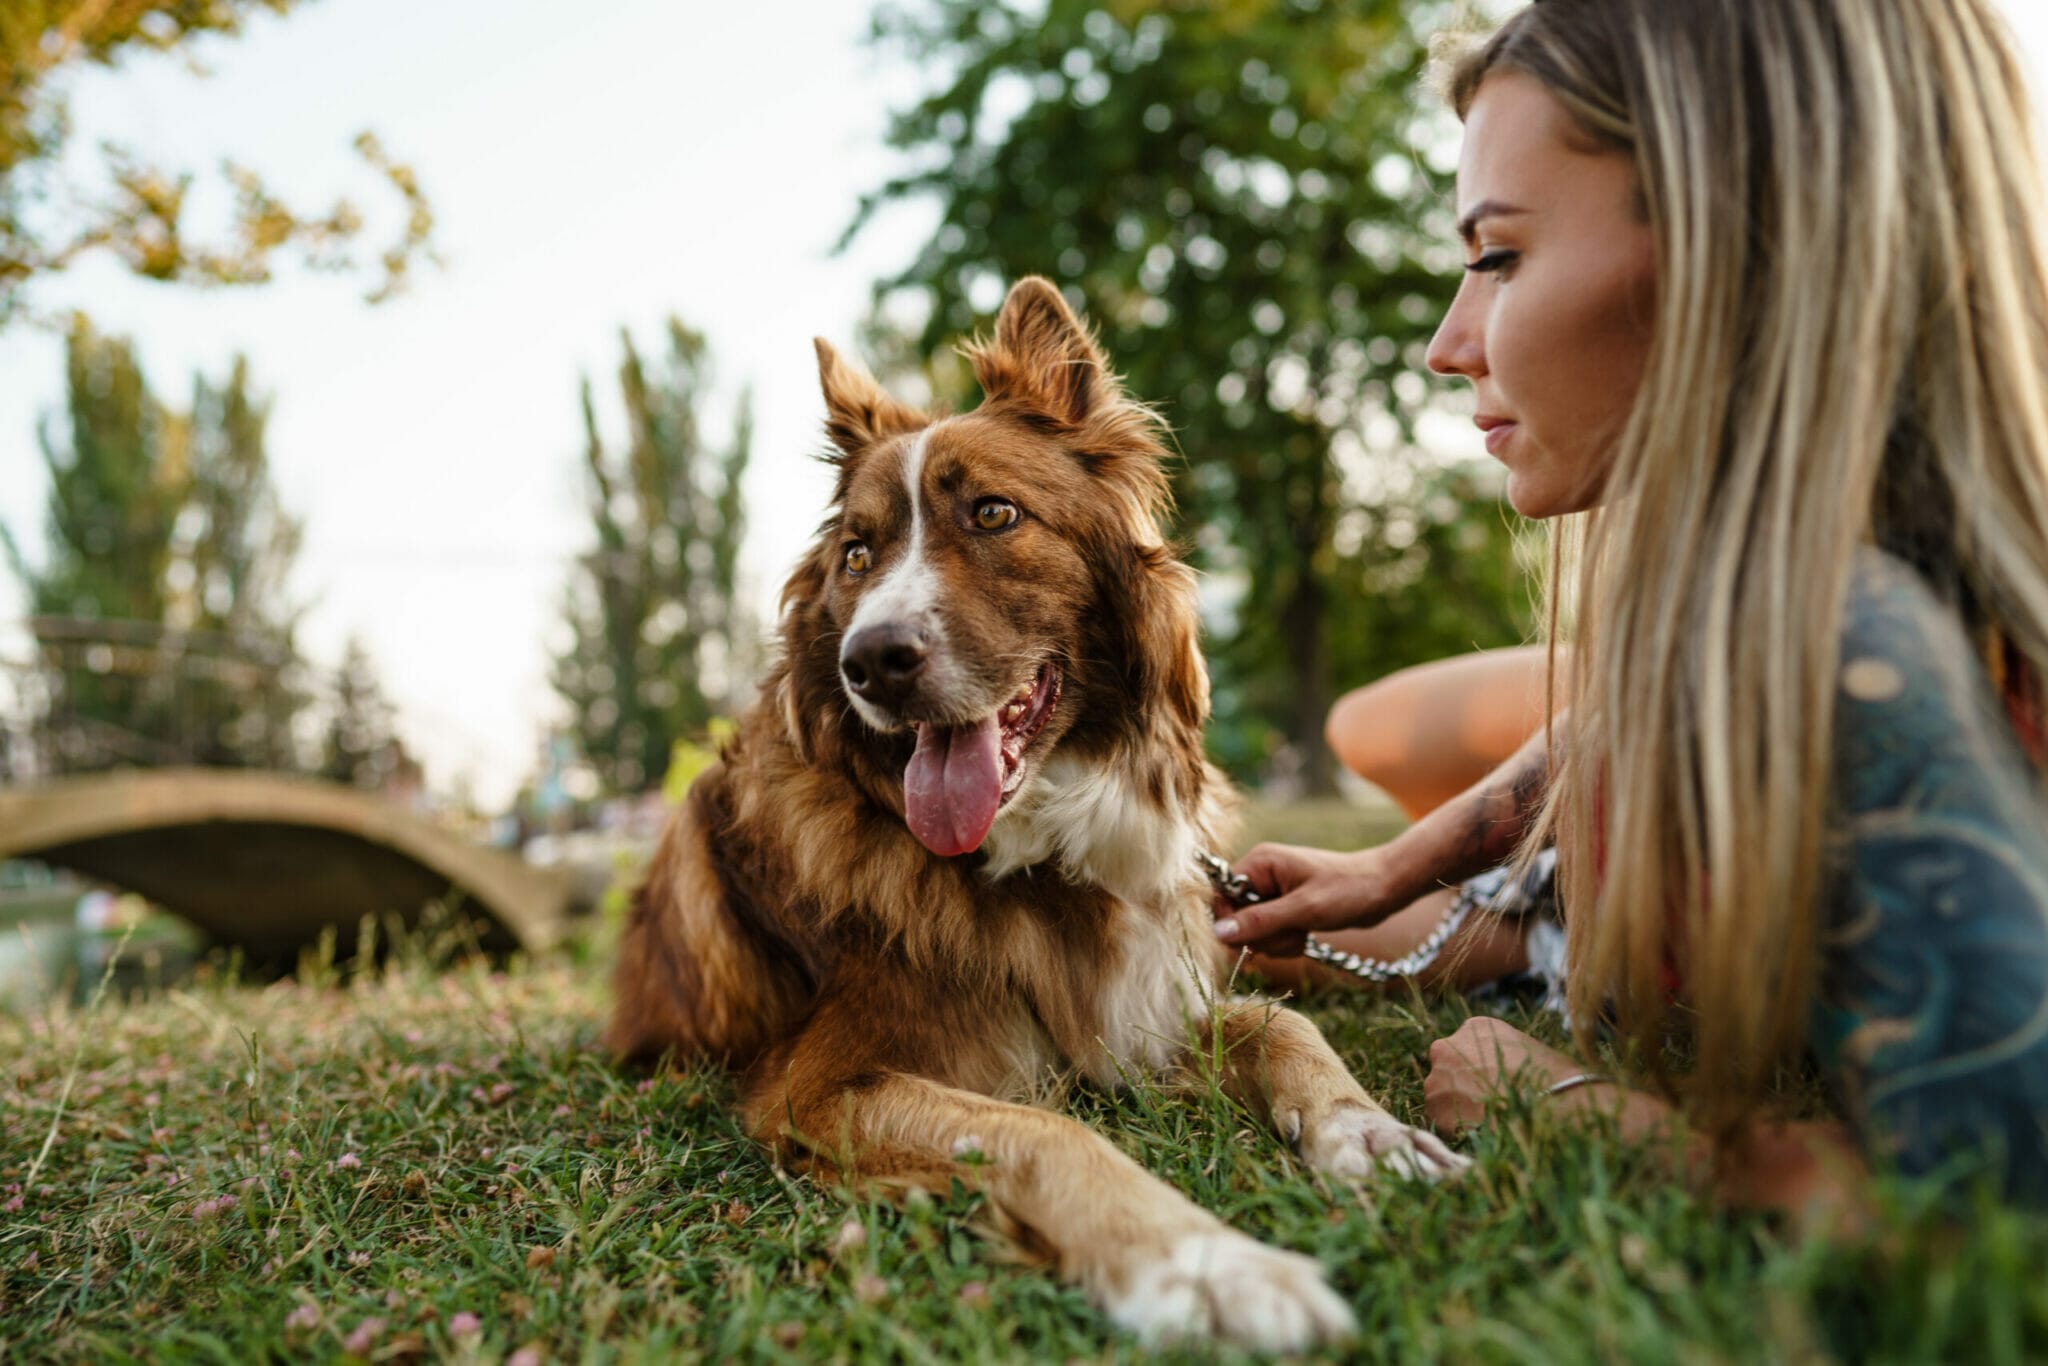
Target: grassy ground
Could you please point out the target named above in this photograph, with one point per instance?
(410, 1161)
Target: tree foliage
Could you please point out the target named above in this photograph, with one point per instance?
(361, 746)
(658, 637)
(1241, 194)
(161, 609)
(48, 220)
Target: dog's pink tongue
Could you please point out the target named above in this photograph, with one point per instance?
(953, 785)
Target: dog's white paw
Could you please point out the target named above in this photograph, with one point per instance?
(1224, 1285)
(1356, 1142)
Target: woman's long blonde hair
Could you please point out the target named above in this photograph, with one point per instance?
(1849, 348)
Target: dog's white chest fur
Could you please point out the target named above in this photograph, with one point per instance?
(1145, 1007)
(1092, 821)
(1089, 821)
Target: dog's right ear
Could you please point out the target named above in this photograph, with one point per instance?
(858, 411)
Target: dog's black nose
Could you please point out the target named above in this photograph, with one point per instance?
(881, 663)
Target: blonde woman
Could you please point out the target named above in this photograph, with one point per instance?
(1757, 312)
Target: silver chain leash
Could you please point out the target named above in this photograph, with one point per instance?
(1237, 889)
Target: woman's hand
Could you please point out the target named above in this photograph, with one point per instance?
(1468, 1068)
(1305, 890)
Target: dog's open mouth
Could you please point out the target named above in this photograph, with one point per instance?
(961, 775)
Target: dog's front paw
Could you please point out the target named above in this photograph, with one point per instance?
(1357, 1141)
(1222, 1284)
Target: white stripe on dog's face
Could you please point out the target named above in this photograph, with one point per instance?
(906, 590)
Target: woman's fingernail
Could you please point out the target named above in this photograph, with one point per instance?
(1225, 928)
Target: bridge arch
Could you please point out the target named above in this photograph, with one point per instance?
(267, 861)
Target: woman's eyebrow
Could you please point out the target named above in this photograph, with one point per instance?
(1485, 209)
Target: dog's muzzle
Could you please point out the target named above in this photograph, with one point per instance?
(883, 663)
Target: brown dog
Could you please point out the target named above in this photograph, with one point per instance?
(952, 849)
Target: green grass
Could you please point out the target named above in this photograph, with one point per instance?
(241, 1173)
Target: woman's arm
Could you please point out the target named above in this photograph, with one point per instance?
(1810, 1170)
(1316, 889)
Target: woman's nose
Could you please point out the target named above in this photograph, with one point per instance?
(1459, 345)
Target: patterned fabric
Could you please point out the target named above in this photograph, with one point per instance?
(1931, 1022)
(1932, 1018)
(1532, 899)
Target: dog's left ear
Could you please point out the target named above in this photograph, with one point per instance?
(1042, 355)
(858, 411)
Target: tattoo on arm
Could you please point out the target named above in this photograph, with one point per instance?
(1493, 817)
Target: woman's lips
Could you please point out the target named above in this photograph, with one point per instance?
(1498, 430)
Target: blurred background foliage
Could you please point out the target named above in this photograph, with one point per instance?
(164, 624)
(1249, 199)
(1247, 196)
(48, 219)
(660, 642)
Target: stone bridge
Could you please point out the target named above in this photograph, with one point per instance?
(268, 862)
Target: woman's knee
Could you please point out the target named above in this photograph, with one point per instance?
(1428, 732)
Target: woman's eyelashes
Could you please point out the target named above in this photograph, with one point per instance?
(1496, 262)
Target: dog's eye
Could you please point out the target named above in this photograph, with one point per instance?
(858, 558)
(993, 514)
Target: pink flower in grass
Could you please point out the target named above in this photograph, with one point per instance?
(465, 1325)
(562, 1110)
(525, 1356)
(347, 1162)
(302, 1318)
(364, 1336)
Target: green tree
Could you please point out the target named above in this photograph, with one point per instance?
(1233, 188)
(361, 747)
(658, 636)
(48, 219)
(233, 563)
(161, 607)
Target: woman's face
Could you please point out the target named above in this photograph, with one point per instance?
(1552, 320)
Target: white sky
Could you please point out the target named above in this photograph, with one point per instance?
(648, 157)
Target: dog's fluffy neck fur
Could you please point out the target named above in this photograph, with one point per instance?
(1098, 822)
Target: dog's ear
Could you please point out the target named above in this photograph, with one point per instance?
(1043, 356)
(858, 411)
